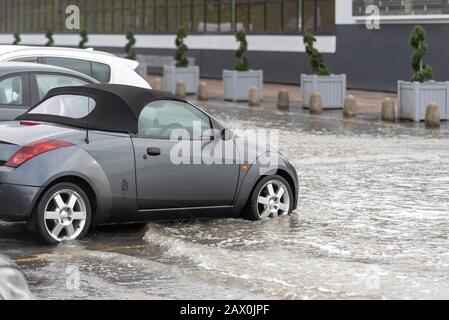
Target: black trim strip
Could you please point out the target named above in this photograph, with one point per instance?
(186, 208)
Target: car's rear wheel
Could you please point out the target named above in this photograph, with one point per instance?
(271, 197)
(63, 213)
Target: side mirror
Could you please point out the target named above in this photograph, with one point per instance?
(227, 134)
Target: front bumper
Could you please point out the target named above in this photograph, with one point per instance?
(16, 201)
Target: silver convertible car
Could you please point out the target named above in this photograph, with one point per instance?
(104, 153)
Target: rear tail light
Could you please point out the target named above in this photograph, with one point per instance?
(29, 123)
(34, 149)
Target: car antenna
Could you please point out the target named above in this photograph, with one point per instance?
(87, 133)
(87, 123)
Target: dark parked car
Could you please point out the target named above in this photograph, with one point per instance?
(23, 85)
(108, 153)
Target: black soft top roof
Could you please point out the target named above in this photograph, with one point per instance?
(117, 106)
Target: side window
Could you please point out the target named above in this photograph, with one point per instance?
(25, 59)
(82, 66)
(160, 119)
(66, 105)
(101, 72)
(98, 71)
(11, 91)
(46, 82)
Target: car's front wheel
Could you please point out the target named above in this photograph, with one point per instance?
(271, 197)
(63, 213)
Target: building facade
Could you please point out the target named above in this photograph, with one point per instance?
(165, 16)
(373, 59)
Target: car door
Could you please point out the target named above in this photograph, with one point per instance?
(42, 82)
(182, 172)
(14, 96)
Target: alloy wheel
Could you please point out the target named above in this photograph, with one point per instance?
(273, 200)
(65, 215)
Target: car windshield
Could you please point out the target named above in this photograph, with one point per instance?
(69, 106)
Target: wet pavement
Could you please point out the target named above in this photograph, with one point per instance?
(372, 222)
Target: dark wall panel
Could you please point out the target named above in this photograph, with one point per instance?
(372, 59)
(377, 59)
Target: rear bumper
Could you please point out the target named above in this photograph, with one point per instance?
(16, 201)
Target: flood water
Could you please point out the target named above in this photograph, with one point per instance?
(372, 223)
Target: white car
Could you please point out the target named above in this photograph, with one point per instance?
(102, 66)
(13, 285)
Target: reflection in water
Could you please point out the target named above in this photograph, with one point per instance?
(372, 223)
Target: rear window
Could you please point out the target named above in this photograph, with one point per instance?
(46, 82)
(68, 105)
(98, 71)
(101, 72)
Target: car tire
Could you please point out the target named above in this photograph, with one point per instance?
(63, 213)
(268, 201)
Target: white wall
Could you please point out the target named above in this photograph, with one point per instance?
(282, 43)
(343, 12)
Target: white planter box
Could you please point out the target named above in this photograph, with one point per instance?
(332, 89)
(190, 75)
(237, 84)
(413, 98)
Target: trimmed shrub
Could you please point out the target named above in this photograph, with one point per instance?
(50, 41)
(181, 48)
(423, 72)
(129, 48)
(16, 39)
(243, 63)
(84, 39)
(315, 57)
